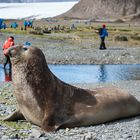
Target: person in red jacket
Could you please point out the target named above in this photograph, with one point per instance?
(7, 44)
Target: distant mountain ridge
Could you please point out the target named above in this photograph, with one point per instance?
(24, 1)
(104, 9)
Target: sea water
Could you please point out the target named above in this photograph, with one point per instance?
(34, 10)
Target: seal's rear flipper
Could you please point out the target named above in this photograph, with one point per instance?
(15, 116)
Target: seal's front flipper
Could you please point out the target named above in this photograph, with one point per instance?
(49, 124)
(15, 116)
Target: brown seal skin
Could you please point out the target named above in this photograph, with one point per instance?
(48, 102)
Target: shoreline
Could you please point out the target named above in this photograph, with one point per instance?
(65, 52)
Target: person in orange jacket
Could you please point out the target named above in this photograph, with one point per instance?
(7, 44)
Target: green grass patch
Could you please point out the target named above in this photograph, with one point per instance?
(19, 128)
(135, 38)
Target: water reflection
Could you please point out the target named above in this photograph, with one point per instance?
(102, 73)
(5, 74)
(96, 73)
(8, 75)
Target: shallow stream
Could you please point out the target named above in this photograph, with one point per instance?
(89, 73)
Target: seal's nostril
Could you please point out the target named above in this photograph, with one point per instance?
(25, 49)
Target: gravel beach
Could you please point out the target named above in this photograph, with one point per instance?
(56, 53)
(125, 129)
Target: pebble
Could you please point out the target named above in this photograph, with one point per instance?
(36, 132)
(5, 137)
(90, 136)
(14, 136)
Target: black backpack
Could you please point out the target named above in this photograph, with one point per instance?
(100, 31)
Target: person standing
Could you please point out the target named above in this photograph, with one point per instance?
(25, 24)
(103, 33)
(7, 44)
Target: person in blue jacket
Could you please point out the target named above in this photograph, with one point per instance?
(25, 24)
(103, 33)
(1, 21)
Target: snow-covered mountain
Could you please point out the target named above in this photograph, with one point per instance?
(24, 1)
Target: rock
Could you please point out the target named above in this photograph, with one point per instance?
(14, 136)
(126, 136)
(5, 137)
(36, 133)
(90, 136)
(67, 130)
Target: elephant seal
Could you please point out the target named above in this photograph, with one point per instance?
(50, 103)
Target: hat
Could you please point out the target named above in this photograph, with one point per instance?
(11, 37)
(103, 25)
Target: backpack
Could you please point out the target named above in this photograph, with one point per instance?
(100, 31)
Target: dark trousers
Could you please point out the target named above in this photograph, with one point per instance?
(102, 45)
(6, 61)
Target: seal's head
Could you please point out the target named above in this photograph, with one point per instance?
(28, 63)
(19, 53)
(15, 52)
